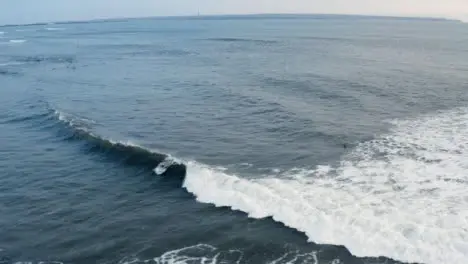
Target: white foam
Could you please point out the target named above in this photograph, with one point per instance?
(403, 195)
(164, 165)
(204, 254)
(64, 117)
(17, 40)
(54, 29)
(75, 121)
(291, 258)
(201, 253)
(80, 124)
(10, 64)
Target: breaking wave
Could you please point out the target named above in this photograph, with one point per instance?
(124, 152)
(402, 195)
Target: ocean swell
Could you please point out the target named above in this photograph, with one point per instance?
(123, 152)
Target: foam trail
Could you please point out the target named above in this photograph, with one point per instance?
(54, 29)
(17, 41)
(403, 195)
(203, 253)
(10, 64)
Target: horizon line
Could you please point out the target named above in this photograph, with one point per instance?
(198, 15)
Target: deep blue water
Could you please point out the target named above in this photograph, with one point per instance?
(276, 139)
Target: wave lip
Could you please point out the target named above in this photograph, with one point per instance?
(124, 152)
(401, 196)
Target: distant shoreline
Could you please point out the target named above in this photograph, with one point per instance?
(239, 16)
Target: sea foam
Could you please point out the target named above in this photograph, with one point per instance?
(54, 29)
(17, 41)
(204, 253)
(403, 195)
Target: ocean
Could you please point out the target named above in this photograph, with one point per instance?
(234, 139)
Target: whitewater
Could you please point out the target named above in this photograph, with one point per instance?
(401, 195)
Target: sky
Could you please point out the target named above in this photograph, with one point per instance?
(31, 11)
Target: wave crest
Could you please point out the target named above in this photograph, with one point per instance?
(124, 152)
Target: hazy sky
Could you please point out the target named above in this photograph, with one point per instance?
(27, 11)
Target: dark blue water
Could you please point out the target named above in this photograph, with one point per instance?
(308, 139)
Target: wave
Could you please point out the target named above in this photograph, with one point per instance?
(402, 195)
(124, 152)
(204, 253)
(258, 41)
(10, 64)
(322, 38)
(162, 52)
(50, 59)
(144, 50)
(54, 29)
(17, 41)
